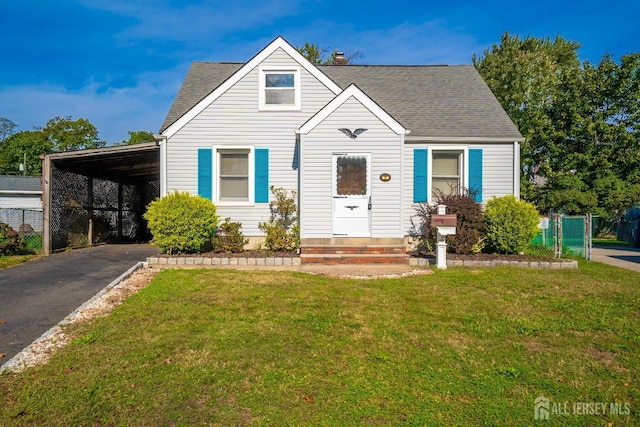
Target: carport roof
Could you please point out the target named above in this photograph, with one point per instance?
(127, 163)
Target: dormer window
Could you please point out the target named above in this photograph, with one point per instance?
(279, 89)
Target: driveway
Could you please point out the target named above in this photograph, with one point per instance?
(619, 256)
(38, 294)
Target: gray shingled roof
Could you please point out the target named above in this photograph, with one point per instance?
(20, 183)
(430, 101)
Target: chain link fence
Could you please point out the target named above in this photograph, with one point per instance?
(84, 208)
(562, 235)
(628, 227)
(28, 224)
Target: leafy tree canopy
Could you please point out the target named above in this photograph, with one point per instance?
(581, 122)
(137, 137)
(320, 55)
(26, 144)
(6, 128)
(59, 134)
(65, 134)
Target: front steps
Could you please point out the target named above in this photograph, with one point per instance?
(354, 254)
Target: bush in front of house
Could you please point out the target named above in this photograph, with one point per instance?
(229, 237)
(10, 241)
(469, 237)
(282, 231)
(182, 223)
(511, 224)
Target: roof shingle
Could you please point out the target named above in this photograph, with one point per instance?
(430, 101)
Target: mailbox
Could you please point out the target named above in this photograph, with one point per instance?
(445, 224)
(448, 220)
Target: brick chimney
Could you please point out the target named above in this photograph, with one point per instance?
(340, 59)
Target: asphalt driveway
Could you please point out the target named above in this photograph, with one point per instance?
(38, 294)
(619, 256)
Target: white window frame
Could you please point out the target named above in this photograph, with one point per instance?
(465, 165)
(262, 101)
(216, 174)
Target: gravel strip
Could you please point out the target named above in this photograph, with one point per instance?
(39, 351)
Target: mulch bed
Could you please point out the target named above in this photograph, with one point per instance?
(487, 257)
(269, 254)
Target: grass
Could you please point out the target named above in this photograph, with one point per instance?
(11, 260)
(459, 347)
(609, 242)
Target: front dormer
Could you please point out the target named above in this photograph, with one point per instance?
(279, 89)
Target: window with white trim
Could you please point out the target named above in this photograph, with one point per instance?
(279, 89)
(446, 175)
(234, 175)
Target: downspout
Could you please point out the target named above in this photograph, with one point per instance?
(161, 141)
(516, 169)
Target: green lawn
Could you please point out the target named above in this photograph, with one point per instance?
(459, 347)
(11, 260)
(609, 242)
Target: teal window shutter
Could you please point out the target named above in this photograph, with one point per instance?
(420, 175)
(205, 173)
(475, 173)
(262, 175)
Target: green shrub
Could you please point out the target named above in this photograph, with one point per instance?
(229, 238)
(282, 232)
(511, 224)
(469, 237)
(10, 241)
(182, 223)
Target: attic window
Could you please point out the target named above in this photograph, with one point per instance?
(279, 89)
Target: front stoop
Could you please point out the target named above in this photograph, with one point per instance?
(367, 254)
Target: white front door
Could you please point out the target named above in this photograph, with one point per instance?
(352, 195)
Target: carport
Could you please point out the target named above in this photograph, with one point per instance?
(98, 195)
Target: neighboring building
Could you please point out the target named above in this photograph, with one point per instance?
(20, 192)
(21, 202)
(360, 144)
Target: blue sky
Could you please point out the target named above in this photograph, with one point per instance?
(119, 63)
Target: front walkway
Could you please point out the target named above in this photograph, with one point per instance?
(618, 256)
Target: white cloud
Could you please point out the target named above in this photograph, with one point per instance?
(114, 112)
(430, 42)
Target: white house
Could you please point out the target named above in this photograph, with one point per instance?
(21, 201)
(360, 144)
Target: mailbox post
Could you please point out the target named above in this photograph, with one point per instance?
(445, 226)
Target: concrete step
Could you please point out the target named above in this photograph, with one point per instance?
(354, 258)
(353, 250)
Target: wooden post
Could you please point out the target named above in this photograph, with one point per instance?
(90, 210)
(120, 203)
(46, 205)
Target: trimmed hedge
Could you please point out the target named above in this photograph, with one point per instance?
(511, 224)
(182, 223)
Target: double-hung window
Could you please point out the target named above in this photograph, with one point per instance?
(234, 175)
(446, 170)
(279, 89)
(446, 177)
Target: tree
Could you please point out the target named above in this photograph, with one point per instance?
(581, 122)
(137, 137)
(318, 55)
(6, 128)
(29, 144)
(65, 134)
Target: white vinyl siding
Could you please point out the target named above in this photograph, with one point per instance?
(21, 201)
(234, 119)
(318, 147)
(497, 171)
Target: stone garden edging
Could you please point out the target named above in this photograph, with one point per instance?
(191, 261)
(423, 262)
